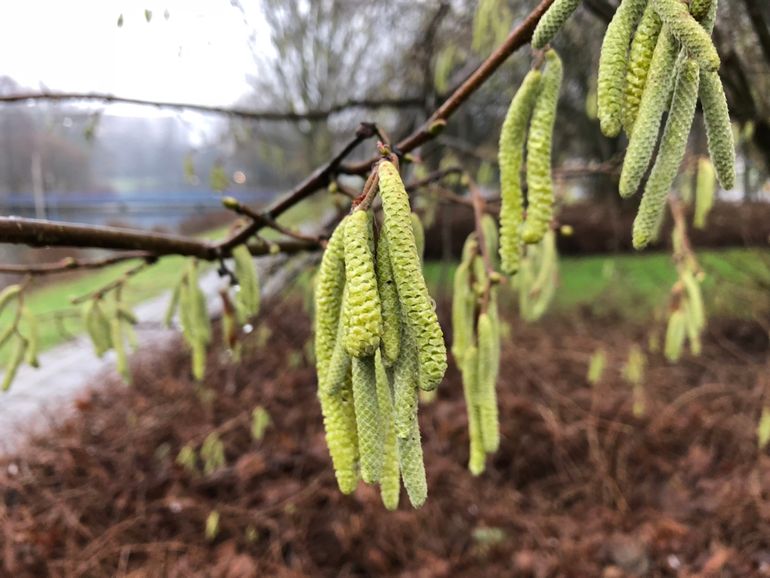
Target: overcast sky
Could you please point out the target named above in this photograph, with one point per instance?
(200, 54)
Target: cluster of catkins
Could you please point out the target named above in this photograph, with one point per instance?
(110, 327)
(476, 343)
(21, 333)
(657, 57)
(377, 343)
(537, 278)
(533, 107)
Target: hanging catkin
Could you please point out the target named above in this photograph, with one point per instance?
(704, 193)
(338, 367)
(676, 16)
(341, 434)
(639, 60)
(417, 307)
(463, 305)
(406, 378)
(552, 21)
(14, 362)
(330, 284)
(719, 131)
(363, 316)
(510, 156)
(539, 141)
(656, 97)
(670, 154)
(390, 481)
(470, 367)
(612, 64)
(486, 383)
(248, 297)
(391, 314)
(368, 425)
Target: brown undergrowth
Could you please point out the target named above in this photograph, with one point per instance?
(580, 487)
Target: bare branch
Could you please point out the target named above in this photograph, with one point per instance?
(70, 264)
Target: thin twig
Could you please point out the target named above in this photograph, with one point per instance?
(115, 285)
(71, 263)
(241, 209)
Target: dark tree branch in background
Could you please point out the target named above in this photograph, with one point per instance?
(70, 264)
(757, 19)
(264, 115)
(602, 9)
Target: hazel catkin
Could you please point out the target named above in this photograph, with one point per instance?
(552, 21)
(639, 60)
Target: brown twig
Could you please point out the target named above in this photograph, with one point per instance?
(115, 285)
(239, 208)
(71, 263)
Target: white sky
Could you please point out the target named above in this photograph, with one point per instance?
(201, 54)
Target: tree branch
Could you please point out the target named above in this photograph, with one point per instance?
(243, 113)
(70, 264)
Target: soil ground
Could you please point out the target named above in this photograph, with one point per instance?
(581, 487)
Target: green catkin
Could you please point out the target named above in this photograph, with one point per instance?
(7, 294)
(173, 303)
(390, 481)
(341, 435)
(477, 455)
(419, 235)
(676, 16)
(510, 157)
(612, 64)
(639, 60)
(670, 154)
(391, 313)
(338, 369)
(405, 385)
(363, 316)
(694, 299)
(98, 327)
(719, 133)
(486, 384)
(247, 299)
(704, 193)
(552, 21)
(655, 100)
(675, 334)
(417, 307)
(368, 424)
(199, 315)
(692, 329)
(14, 362)
(412, 465)
(463, 303)
(489, 227)
(329, 288)
(539, 144)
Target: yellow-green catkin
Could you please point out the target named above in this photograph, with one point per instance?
(97, 326)
(412, 465)
(121, 359)
(8, 294)
(670, 154)
(719, 132)
(330, 285)
(341, 435)
(363, 316)
(368, 420)
(14, 362)
(417, 307)
(655, 100)
(391, 313)
(552, 21)
(406, 379)
(390, 480)
(694, 299)
(639, 60)
(704, 193)
(338, 367)
(477, 455)
(419, 235)
(612, 64)
(676, 16)
(248, 297)
(173, 303)
(675, 335)
(489, 228)
(487, 378)
(32, 336)
(463, 305)
(539, 144)
(510, 157)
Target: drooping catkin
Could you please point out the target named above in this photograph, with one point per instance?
(8, 294)
(510, 157)
(552, 21)
(694, 299)
(363, 316)
(704, 193)
(612, 64)
(338, 367)
(639, 60)
(675, 335)
(406, 379)
(390, 480)
(329, 288)
(676, 16)
(341, 434)
(412, 465)
(97, 326)
(486, 384)
(118, 342)
(173, 303)
(655, 100)
(539, 144)
(248, 297)
(670, 154)
(719, 133)
(368, 421)
(489, 228)
(463, 304)
(32, 336)
(14, 362)
(391, 314)
(417, 307)
(470, 367)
